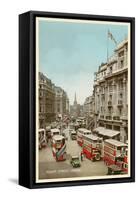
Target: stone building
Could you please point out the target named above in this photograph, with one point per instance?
(87, 107)
(61, 102)
(111, 90)
(88, 111)
(46, 101)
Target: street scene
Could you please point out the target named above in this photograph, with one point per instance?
(49, 168)
(83, 102)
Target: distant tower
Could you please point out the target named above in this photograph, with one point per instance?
(75, 100)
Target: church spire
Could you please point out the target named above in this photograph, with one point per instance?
(75, 99)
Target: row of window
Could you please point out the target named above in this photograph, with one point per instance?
(44, 109)
(109, 126)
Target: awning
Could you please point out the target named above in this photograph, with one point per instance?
(106, 132)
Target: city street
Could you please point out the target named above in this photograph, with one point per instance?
(94, 106)
(50, 168)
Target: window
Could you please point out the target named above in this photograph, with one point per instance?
(110, 69)
(58, 109)
(110, 87)
(101, 124)
(120, 111)
(41, 93)
(108, 126)
(122, 64)
(117, 128)
(121, 54)
(41, 108)
(121, 95)
(120, 84)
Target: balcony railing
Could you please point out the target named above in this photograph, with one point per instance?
(109, 117)
(116, 118)
(101, 116)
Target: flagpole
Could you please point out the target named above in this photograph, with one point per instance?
(107, 44)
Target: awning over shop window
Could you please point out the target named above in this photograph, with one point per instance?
(106, 132)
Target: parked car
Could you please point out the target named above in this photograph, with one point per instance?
(75, 161)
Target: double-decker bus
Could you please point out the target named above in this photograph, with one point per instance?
(91, 147)
(125, 164)
(59, 147)
(80, 133)
(115, 154)
(42, 138)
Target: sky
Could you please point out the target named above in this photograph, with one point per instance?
(70, 53)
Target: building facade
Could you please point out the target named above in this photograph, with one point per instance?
(88, 111)
(61, 102)
(53, 101)
(111, 92)
(87, 107)
(46, 101)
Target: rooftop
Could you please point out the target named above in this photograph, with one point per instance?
(84, 130)
(58, 137)
(91, 137)
(106, 132)
(121, 44)
(116, 143)
(55, 130)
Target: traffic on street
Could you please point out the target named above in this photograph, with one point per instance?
(71, 150)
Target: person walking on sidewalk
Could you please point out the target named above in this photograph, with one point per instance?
(81, 156)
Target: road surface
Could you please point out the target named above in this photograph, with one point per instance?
(49, 168)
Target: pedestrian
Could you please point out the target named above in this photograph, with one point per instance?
(81, 156)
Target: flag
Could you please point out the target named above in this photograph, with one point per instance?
(110, 35)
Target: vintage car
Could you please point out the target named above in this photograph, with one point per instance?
(114, 170)
(73, 135)
(75, 161)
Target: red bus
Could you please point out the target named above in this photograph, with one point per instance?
(125, 164)
(115, 153)
(42, 138)
(91, 147)
(59, 147)
(80, 133)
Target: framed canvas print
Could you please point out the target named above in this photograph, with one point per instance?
(76, 99)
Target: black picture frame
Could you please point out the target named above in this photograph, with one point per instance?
(27, 56)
